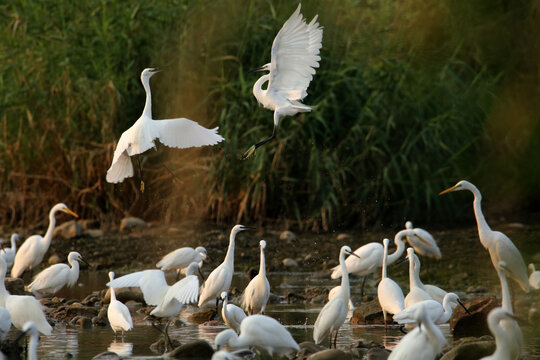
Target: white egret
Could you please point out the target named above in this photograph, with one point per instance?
(9, 253)
(232, 315)
(55, 277)
(334, 313)
(335, 290)
(180, 259)
(295, 55)
(435, 292)
(534, 278)
(220, 278)
(416, 293)
(425, 342)
(237, 355)
(259, 331)
(509, 325)
(180, 133)
(5, 323)
(499, 245)
(420, 246)
(503, 339)
(257, 292)
(438, 313)
(33, 249)
(22, 308)
(29, 328)
(389, 293)
(118, 313)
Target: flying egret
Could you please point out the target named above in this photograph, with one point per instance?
(180, 259)
(435, 292)
(334, 313)
(503, 340)
(509, 325)
(257, 291)
(425, 342)
(420, 246)
(295, 55)
(499, 245)
(22, 308)
(389, 293)
(180, 133)
(439, 314)
(534, 278)
(259, 331)
(9, 253)
(220, 278)
(118, 313)
(29, 328)
(416, 293)
(55, 277)
(5, 323)
(232, 314)
(33, 249)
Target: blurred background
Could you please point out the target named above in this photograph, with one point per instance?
(410, 97)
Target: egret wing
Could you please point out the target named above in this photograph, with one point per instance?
(507, 251)
(177, 258)
(184, 133)
(334, 312)
(186, 291)
(121, 166)
(152, 283)
(24, 308)
(50, 278)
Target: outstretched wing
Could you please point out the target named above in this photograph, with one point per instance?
(152, 283)
(184, 133)
(295, 55)
(121, 166)
(186, 291)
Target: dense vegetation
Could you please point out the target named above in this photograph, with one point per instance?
(410, 97)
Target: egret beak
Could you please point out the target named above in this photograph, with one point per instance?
(207, 259)
(423, 240)
(262, 68)
(200, 273)
(448, 190)
(248, 228)
(23, 334)
(353, 254)
(463, 306)
(84, 261)
(156, 70)
(71, 213)
(401, 261)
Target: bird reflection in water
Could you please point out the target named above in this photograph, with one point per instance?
(121, 348)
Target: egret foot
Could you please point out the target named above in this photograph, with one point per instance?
(249, 152)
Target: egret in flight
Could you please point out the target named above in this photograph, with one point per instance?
(33, 249)
(180, 259)
(499, 245)
(180, 133)
(389, 293)
(9, 254)
(295, 56)
(257, 291)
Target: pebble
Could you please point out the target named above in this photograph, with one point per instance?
(288, 262)
(129, 223)
(94, 233)
(54, 259)
(344, 237)
(68, 230)
(199, 349)
(330, 354)
(287, 236)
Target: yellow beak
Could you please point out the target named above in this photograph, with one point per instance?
(71, 212)
(448, 190)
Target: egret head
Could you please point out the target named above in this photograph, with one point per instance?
(148, 73)
(237, 228)
(453, 298)
(262, 244)
(75, 256)
(63, 208)
(111, 275)
(194, 266)
(265, 67)
(531, 267)
(223, 338)
(408, 225)
(410, 254)
(385, 242)
(461, 185)
(14, 237)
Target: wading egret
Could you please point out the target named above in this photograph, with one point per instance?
(334, 313)
(503, 340)
(118, 313)
(55, 277)
(509, 325)
(5, 323)
(180, 259)
(295, 55)
(259, 331)
(420, 246)
(9, 253)
(534, 278)
(389, 293)
(29, 328)
(33, 249)
(180, 133)
(257, 291)
(435, 292)
(22, 308)
(439, 314)
(416, 293)
(220, 278)
(335, 290)
(499, 245)
(232, 314)
(425, 342)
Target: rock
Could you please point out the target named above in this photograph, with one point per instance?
(133, 306)
(377, 354)
(369, 313)
(68, 230)
(199, 349)
(475, 323)
(94, 233)
(159, 345)
(54, 259)
(330, 354)
(320, 299)
(344, 237)
(202, 316)
(88, 224)
(101, 318)
(107, 355)
(15, 286)
(125, 294)
(287, 236)
(470, 349)
(308, 348)
(129, 223)
(288, 262)
(82, 322)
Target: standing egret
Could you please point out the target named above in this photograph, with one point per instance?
(438, 313)
(30, 328)
(22, 308)
(509, 325)
(334, 313)
(118, 313)
(425, 342)
(33, 249)
(499, 245)
(232, 314)
(420, 246)
(180, 259)
(333, 292)
(435, 292)
(389, 293)
(9, 254)
(220, 278)
(56, 276)
(180, 133)
(5, 323)
(259, 331)
(416, 293)
(257, 291)
(534, 278)
(295, 55)
(503, 340)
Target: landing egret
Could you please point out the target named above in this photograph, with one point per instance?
(33, 249)
(295, 55)
(5, 323)
(22, 308)
(55, 277)
(439, 314)
(29, 328)
(420, 246)
(389, 293)
(509, 325)
(435, 292)
(503, 340)
(425, 342)
(118, 313)
(180, 133)
(259, 331)
(499, 245)
(180, 259)
(416, 293)
(534, 278)
(257, 291)
(334, 313)
(9, 253)
(232, 314)
(220, 278)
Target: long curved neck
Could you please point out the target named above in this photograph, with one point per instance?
(385, 255)
(229, 258)
(48, 235)
(262, 266)
(506, 302)
(345, 288)
(73, 272)
(417, 268)
(398, 240)
(32, 347)
(258, 90)
(481, 222)
(447, 310)
(414, 278)
(502, 350)
(148, 104)
(13, 244)
(113, 294)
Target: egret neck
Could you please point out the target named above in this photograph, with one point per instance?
(147, 112)
(258, 91)
(483, 227)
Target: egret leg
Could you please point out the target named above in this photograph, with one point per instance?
(200, 273)
(249, 152)
(363, 284)
(335, 339)
(217, 307)
(385, 326)
(140, 172)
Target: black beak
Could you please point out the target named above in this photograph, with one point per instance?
(463, 306)
(353, 254)
(262, 68)
(23, 334)
(200, 273)
(248, 228)
(156, 70)
(84, 261)
(401, 261)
